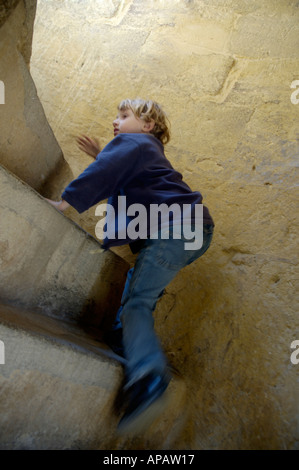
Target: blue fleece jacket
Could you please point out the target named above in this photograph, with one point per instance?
(135, 166)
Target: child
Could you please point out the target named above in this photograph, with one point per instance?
(133, 165)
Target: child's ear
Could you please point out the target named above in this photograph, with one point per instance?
(148, 126)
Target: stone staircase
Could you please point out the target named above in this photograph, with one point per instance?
(56, 387)
(49, 264)
(59, 291)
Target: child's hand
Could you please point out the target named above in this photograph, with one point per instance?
(88, 145)
(59, 205)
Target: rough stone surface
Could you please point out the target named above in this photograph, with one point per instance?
(6, 8)
(50, 264)
(28, 147)
(223, 71)
(53, 395)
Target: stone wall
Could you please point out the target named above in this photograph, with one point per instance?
(28, 146)
(223, 71)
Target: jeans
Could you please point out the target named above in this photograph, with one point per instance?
(157, 264)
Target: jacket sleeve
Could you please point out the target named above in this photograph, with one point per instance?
(112, 170)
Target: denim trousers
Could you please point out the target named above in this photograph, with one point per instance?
(156, 265)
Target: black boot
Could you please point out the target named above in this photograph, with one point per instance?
(146, 401)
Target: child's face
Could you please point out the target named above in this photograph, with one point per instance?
(127, 122)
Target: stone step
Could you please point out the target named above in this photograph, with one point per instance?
(49, 264)
(58, 389)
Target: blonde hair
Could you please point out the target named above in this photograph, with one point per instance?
(149, 110)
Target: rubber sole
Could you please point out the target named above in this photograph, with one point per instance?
(143, 418)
